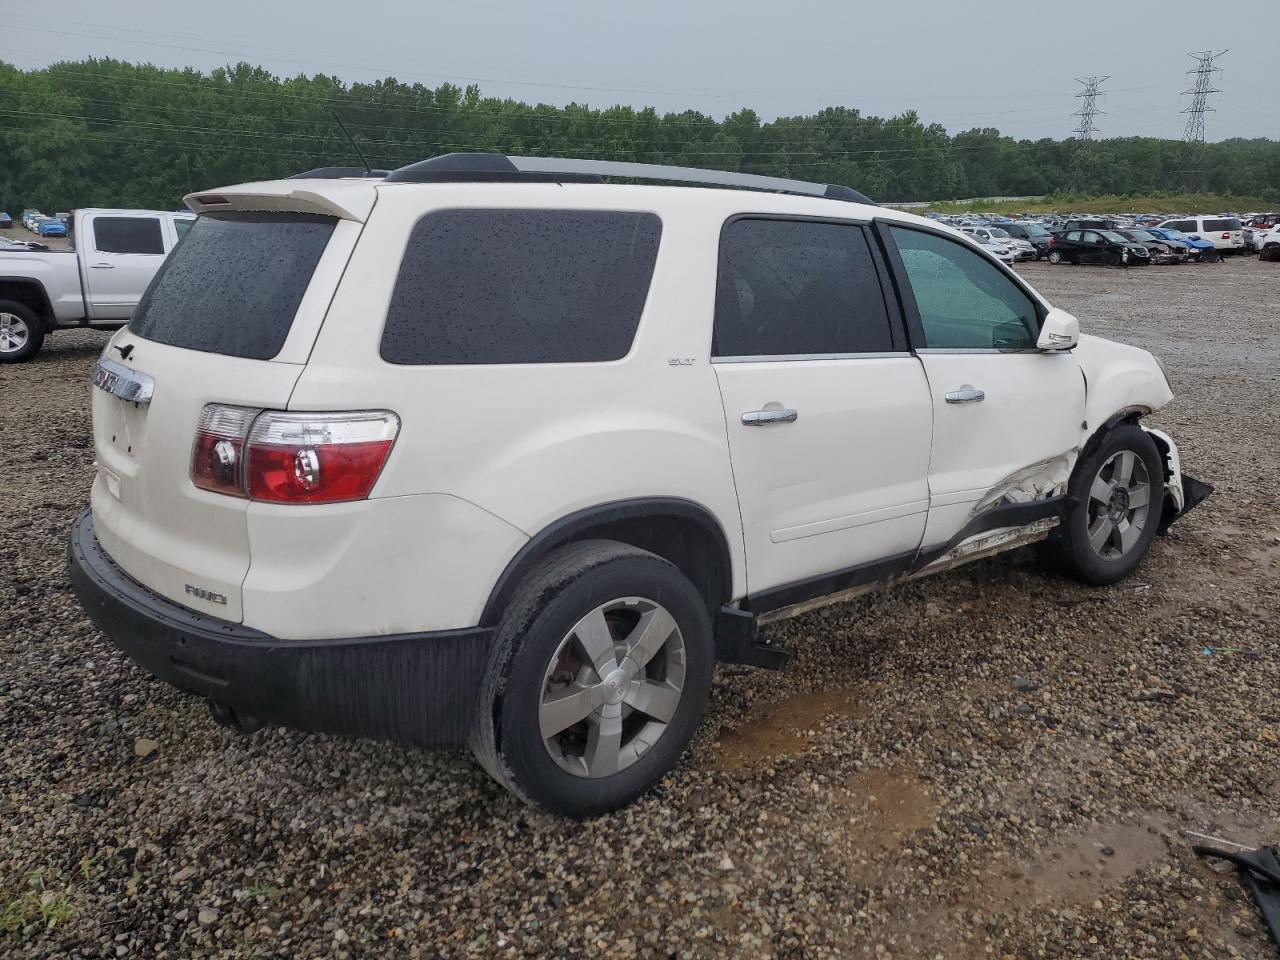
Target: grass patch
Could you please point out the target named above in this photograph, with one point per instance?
(38, 907)
(1189, 203)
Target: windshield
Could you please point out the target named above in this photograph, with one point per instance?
(1142, 235)
(1035, 230)
(997, 232)
(1114, 237)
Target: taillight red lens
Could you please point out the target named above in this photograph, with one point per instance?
(1226, 236)
(317, 457)
(218, 456)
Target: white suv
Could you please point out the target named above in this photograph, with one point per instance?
(1225, 233)
(489, 451)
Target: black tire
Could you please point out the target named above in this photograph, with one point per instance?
(532, 642)
(1055, 257)
(1072, 550)
(1211, 256)
(24, 319)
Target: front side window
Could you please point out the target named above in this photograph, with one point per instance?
(521, 286)
(965, 301)
(796, 288)
(127, 235)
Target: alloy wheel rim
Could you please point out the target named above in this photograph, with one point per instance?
(612, 687)
(14, 333)
(1119, 505)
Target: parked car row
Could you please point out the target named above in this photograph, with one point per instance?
(40, 224)
(1138, 238)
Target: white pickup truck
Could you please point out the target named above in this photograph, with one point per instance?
(97, 282)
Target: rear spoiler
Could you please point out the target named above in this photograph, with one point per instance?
(345, 199)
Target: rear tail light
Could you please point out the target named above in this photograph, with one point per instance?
(280, 457)
(317, 457)
(1226, 236)
(218, 458)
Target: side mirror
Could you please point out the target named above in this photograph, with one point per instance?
(1060, 331)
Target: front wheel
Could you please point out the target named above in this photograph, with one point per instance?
(601, 669)
(21, 332)
(1118, 490)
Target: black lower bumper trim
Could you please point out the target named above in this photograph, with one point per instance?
(420, 689)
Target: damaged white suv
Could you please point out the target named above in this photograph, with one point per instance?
(488, 450)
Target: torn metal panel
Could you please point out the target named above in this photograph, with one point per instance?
(1047, 478)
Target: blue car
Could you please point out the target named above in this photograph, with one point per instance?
(1199, 248)
(6, 221)
(49, 227)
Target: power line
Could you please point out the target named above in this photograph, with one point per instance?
(1193, 135)
(1200, 90)
(1088, 107)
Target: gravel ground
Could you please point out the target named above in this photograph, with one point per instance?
(991, 763)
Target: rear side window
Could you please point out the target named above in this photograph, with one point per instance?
(1184, 225)
(127, 235)
(234, 283)
(521, 286)
(1222, 224)
(794, 287)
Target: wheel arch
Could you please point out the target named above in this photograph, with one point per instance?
(678, 530)
(31, 293)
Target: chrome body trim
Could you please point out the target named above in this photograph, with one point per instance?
(123, 382)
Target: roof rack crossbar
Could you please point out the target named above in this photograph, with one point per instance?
(495, 167)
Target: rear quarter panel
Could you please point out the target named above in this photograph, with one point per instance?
(531, 443)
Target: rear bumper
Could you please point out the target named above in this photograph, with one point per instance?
(420, 689)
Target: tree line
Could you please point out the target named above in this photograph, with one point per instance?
(102, 132)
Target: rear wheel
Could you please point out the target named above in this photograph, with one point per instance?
(21, 332)
(1055, 257)
(601, 669)
(1211, 256)
(1119, 492)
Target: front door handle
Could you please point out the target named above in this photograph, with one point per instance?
(761, 418)
(102, 266)
(966, 395)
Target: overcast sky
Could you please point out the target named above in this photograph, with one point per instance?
(962, 63)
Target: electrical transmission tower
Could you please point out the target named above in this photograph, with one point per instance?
(1201, 87)
(1192, 174)
(1089, 108)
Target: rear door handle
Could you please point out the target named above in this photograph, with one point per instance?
(761, 418)
(966, 395)
(102, 266)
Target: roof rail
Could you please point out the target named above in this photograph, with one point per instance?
(494, 168)
(338, 173)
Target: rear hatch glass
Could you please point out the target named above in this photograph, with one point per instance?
(233, 285)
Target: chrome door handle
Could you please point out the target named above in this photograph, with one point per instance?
(966, 395)
(102, 266)
(761, 418)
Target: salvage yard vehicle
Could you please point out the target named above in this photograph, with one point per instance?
(1033, 233)
(1200, 250)
(1097, 246)
(96, 284)
(500, 453)
(1161, 250)
(1225, 233)
(1269, 244)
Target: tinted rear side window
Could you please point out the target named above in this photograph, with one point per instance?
(234, 283)
(794, 287)
(1225, 224)
(521, 286)
(127, 235)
